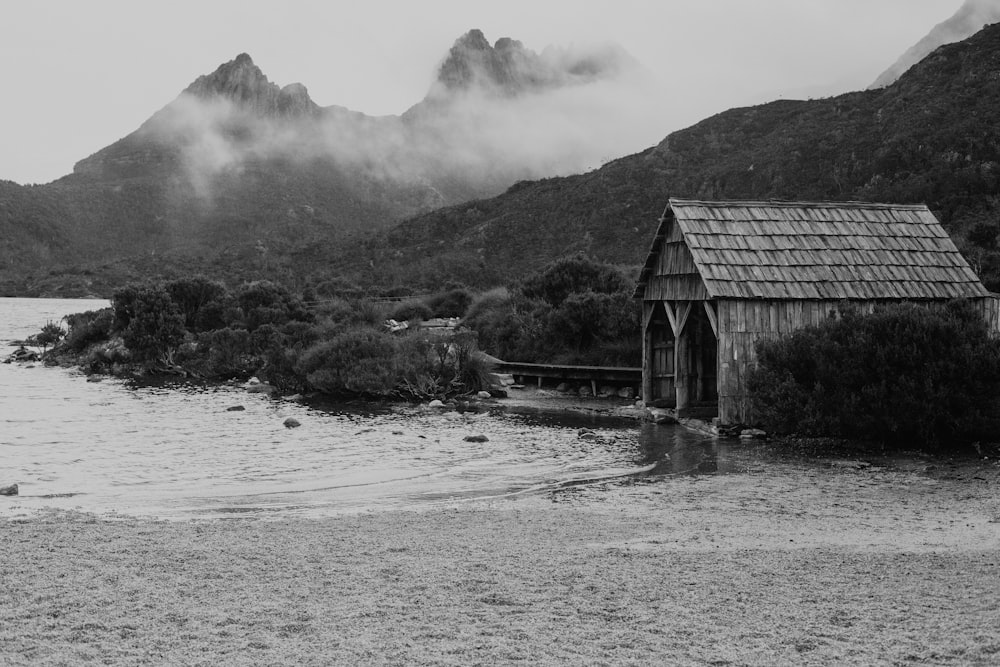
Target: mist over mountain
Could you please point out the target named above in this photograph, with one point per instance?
(970, 18)
(494, 114)
(242, 179)
(931, 137)
(238, 171)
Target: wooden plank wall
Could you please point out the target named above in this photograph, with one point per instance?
(989, 308)
(743, 322)
(675, 276)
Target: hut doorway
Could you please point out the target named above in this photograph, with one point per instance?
(683, 357)
(661, 356)
(698, 362)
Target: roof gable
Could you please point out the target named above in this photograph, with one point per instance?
(799, 250)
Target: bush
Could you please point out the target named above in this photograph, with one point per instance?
(574, 274)
(154, 326)
(442, 365)
(902, 375)
(359, 361)
(453, 303)
(87, 328)
(264, 302)
(202, 302)
(411, 310)
(50, 334)
(491, 316)
(224, 354)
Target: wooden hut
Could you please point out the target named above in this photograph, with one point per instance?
(722, 275)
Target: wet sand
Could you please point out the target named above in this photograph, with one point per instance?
(791, 563)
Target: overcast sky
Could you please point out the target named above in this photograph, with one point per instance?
(78, 75)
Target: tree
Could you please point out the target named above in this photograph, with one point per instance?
(50, 334)
(154, 326)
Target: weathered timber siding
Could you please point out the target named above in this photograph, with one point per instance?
(675, 288)
(675, 275)
(989, 308)
(744, 322)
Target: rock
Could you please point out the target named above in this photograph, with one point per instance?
(501, 379)
(630, 411)
(753, 434)
(260, 388)
(660, 416)
(586, 434)
(291, 422)
(435, 404)
(235, 408)
(476, 438)
(484, 394)
(8, 490)
(626, 392)
(585, 391)
(563, 387)
(606, 391)
(851, 465)
(94, 378)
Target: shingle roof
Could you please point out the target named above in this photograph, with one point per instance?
(801, 250)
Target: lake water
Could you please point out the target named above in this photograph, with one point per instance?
(176, 452)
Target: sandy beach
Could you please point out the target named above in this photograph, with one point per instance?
(794, 563)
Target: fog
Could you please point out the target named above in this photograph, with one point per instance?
(493, 115)
(967, 21)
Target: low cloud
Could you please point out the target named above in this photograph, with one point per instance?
(567, 111)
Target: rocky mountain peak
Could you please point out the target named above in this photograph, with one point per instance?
(242, 82)
(508, 68)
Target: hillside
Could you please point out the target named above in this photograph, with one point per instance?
(970, 18)
(238, 174)
(932, 137)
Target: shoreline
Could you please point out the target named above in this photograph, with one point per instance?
(886, 564)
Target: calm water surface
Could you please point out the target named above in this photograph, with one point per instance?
(176, 452)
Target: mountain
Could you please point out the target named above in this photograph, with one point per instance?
(932, 137)
(970, 18)
(237, 173)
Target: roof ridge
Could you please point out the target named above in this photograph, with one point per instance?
(787, 203)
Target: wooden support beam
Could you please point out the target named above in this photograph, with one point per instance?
(647, 313)
(712, 319)
(683, 317)
(671, 317)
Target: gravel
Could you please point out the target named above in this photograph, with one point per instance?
(897, 562)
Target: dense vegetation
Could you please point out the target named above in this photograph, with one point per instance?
(577, 310)
(905, 375)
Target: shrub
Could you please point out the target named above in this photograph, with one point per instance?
(574, 274)
(453, 303)
(87, 328)
(359, 361)
(279, 349)
(224, 354)
(903, 374)
(202, 302)
(411, 310)
(491, 315)
(154, 324)
(50, 334)
(264, 302)
(442, 365)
